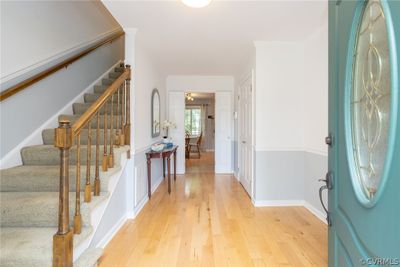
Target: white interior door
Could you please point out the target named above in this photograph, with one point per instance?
(176, 114)
(223, 132)
(245, 136)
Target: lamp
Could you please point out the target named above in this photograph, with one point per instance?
(196, 3)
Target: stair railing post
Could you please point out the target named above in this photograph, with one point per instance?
(112, 136)
(128, 110)
(97, 164)
(63, 239)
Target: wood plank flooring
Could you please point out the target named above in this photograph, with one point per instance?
(209, 220)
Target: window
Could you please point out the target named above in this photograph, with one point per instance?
(193, 120)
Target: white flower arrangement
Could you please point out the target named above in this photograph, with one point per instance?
(166, 125)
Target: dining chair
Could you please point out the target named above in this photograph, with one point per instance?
(196, 145)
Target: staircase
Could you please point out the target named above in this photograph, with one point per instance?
(31, 197)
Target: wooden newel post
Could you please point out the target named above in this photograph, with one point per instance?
(63, 239)
(128, 110)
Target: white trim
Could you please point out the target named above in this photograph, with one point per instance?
(278, 149)
(316, 151)
(287, 203)
(24, 70)
(320, 215)
(13, 158)
(278, 203)
(111, 233)
(236, 175)
(291, 149)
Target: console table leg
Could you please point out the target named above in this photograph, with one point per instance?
(175, 165)
(163, 167)
(169, 174)
(149, 177)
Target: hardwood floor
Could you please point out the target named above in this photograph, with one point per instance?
(209, 220)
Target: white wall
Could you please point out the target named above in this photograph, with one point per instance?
(279, 90)
(146, 77)
(291, 117)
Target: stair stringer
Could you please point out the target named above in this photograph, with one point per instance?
(96, 216)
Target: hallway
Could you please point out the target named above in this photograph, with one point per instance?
(208, 220)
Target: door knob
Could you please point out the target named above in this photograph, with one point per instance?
(243, 142)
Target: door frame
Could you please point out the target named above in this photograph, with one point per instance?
(248, 76)
(180, 155)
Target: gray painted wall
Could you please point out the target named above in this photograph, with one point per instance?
(289, 176)
(315, 166)
(279, 175)
(33, 31)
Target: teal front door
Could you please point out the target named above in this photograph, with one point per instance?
(364, 127)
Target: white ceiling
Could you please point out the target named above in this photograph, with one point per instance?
(217, 39)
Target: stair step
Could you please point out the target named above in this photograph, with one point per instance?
(47, 178)
(99, 89)
(90, 98)
(119, 69)
(40, 209)
(32, 246)
(80, 108)
(114, 75)
(74, 118)
(89, 258)
(49, 136)
(49, 155)
(107, 81)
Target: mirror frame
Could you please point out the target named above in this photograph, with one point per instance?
(155, 92)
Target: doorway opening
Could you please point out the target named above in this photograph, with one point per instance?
(199, 131)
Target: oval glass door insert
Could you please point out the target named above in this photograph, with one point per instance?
(370, 98)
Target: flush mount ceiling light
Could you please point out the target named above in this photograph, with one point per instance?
(196, 3)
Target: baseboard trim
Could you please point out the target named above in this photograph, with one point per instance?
(144, 200)
(287, 203)
(320, 215)
(13, 158)
(278, 203)
(111, 233)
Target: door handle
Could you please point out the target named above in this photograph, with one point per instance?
(327, 186)
(243, 142)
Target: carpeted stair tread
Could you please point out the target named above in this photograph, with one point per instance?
(89, 258)
(47, 178)
(50, 155)
(49, 136)
(99, 89)
(74, 118)
(92, 97)
(31, 246)
(107, 81)
(80, 108)
(119, 69)
(40, 209)
(114, 75)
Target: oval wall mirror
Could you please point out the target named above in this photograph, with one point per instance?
(155, 113)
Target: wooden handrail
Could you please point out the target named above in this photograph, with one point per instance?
(95, 107)
(41, 75)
